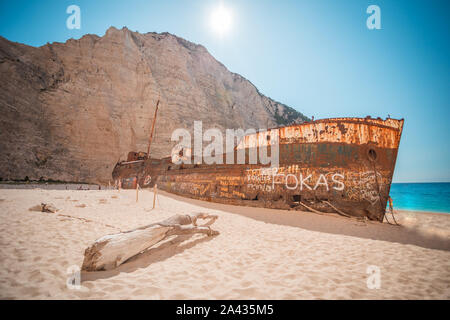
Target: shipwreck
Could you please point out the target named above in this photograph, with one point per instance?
(338, 165)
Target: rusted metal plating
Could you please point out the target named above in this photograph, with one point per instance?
(345, 162)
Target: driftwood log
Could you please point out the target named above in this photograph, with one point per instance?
(111, 251)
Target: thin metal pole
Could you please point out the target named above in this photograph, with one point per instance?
(153, 128)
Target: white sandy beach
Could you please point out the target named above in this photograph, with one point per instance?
(259, 254)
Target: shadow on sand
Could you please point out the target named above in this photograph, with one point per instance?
(332, 223)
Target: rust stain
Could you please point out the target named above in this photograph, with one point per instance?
(348, 162)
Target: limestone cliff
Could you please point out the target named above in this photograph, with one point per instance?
(70, 111)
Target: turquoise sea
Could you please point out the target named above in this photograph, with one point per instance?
(434, 197)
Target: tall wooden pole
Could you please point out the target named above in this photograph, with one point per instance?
(153, 128)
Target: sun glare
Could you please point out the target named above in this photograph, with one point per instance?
(221, 20)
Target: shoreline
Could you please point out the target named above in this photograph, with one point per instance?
(421, 211)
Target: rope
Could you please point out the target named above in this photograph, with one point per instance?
(378, 186)
(337, 210)
(387, 220)
(391, 210)
(323, 213)
(311, 209)
(393, 217)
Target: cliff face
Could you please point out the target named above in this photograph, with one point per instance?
(70, 111)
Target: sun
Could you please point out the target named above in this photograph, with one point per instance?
(221, 20)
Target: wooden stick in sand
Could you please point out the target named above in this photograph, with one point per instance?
(137, 192)
(111, 251)
(155, 190)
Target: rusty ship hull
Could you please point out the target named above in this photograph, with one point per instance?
(340, 165)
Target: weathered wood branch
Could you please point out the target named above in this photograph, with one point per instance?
(111, 251)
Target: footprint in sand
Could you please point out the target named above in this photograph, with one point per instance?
(290, 276)
(146, 291)
(115, 287)
(36, 276)
(56, 272)
(246, 292)
(245, 284)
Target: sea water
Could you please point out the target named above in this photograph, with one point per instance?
(434, 197)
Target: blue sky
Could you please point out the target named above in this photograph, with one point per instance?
(316, 56)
